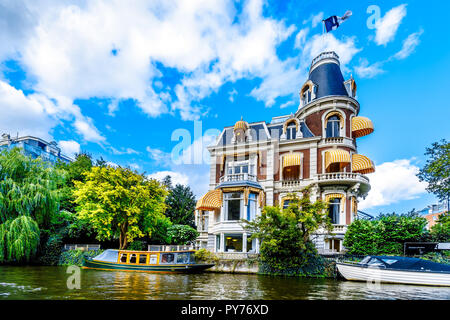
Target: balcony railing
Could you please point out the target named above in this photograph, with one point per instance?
(342, 176)
(338, 140)
(290, 183)
(339, 228)
(238, 177)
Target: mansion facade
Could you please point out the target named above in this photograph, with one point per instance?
(257, 164)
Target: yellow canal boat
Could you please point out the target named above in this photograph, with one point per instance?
(146, 261)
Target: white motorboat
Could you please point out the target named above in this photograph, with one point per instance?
(393, 269)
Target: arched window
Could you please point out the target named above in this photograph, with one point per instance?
(332, 130)
(333, 210)
(291, 131)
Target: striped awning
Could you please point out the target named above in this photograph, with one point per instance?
(292, 159)
(330, 196)
(361, 126)
(362, 164)
(336, 156)
(210, 201)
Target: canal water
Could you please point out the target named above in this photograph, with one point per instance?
(51, 283)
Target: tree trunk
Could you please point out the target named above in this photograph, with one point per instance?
(123, 236)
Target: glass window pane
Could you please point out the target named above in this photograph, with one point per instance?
(153, 259)
(234, 209)
(244, 169)
(237, 169)
(123, 258)
(183, 257)
(133, 258)
(142, 259)
(233, 243)
(167, 257)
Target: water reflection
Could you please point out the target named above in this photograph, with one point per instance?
(50, 283)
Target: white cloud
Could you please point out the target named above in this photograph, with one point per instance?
(69, 147)
(177, 177)
(364, 70)
(25, 115)
(393, 182)
(409, 45)
(317, 19)
(123, 151)
(387, 26)
(300, 38)
(163, 158)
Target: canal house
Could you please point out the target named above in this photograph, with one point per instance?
(260, 163)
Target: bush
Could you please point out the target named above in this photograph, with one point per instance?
(386, 235)
(76, 257)
(51, 251)
(204, 255)
(138, 245)
(181, 234)
(437, 257)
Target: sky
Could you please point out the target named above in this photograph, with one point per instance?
(150, 84)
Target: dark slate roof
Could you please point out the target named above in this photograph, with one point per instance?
(257, 132)
(277, 131)
(329, 80)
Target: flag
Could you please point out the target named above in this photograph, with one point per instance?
(333, 22)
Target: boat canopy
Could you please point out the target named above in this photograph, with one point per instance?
(404, 263)
(109, 255)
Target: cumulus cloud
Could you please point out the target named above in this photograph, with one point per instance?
(387, 26)
(27, 115)
(409, 45)
(69, 147)
(364, 70)
(177, 177)
(393, 182)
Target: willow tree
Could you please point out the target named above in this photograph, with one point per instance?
(19, 239)
(28, 187)
(118, 202)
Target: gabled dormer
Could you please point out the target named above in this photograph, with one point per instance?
(350, 86)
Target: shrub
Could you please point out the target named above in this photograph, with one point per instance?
(204, 255)
(137, 245)
(76, 257)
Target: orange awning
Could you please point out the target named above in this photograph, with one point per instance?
(361, 126)
(210, 201)
(336, 156)
(293, 159)
(362, 164)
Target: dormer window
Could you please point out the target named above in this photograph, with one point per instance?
(291, 131)
(350, 86)
(307, 93)
(306, 96)
(333, 124)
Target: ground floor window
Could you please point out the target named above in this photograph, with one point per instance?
(218, 242)
(251, 208)
(233, 242)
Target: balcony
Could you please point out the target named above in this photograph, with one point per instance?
(342, 176)
(238, 177)
(338, 140)
(339, 228)
(345, 178)
(290, 183)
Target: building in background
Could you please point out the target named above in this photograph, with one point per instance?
(259, 163)
(432, 213)
(34, 147)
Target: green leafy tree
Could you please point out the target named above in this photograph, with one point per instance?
(437, 169)
(181, 205)
(440, 232)
(19, 239)
(285, 233)
(74, 172)
(182, 234)
(385, 235)
(119, 203)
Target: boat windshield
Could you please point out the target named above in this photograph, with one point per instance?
(108, 256)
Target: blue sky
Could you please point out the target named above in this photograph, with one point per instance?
(118, 79)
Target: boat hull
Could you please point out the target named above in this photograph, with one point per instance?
(184, 268)
(373, 274)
